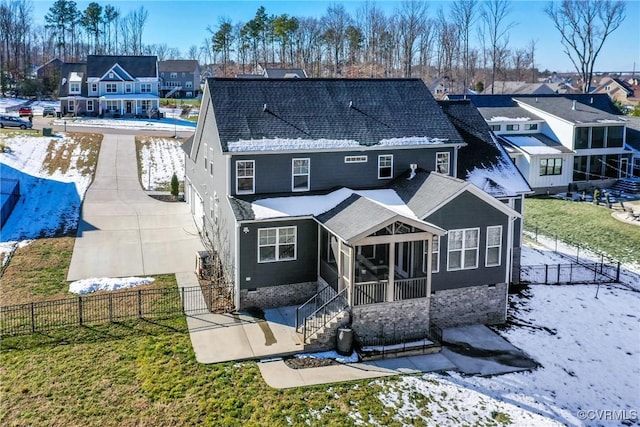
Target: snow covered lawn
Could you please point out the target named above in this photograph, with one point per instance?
(160, 158)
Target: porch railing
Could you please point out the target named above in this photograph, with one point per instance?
(325, 314)
(376, 292)
(312, 304)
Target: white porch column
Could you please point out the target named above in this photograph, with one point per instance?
(392, 270)
(429, 243)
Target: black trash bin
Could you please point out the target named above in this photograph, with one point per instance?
(344, 341)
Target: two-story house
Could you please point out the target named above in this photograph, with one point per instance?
(309, 186)
(557, 140)
(108, 85)
(180, 78)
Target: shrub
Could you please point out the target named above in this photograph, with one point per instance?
(175, 186)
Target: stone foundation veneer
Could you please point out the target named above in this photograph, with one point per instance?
(277, 296)
(464, 306)
(407, 318)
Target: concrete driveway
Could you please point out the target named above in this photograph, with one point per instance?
(122, 231)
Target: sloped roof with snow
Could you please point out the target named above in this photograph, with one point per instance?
(334, 111)
(535, 144)
(483, 161)
(571, 110)
(505, 114)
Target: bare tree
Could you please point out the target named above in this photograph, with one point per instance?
(335, 23)
(494, 17)
(584, 26)
(531, 47)
(412, 17)
(464, 14)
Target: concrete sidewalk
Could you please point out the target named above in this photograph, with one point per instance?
(122, 231)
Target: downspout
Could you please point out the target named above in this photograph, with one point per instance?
(455, 160)
(236, 267)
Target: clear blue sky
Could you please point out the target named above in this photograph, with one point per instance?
(183, 23)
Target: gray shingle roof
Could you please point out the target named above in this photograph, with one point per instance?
(314, 109)
(284, 73)
(178, 66)
(564, 108)
(508, 112)
(65, 72)
(426, 191)
(136, 66)
(512, 140)
(354, 216)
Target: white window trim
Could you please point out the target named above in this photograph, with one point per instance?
(253, 178)
(514, 127)
(294, 175)
(75, 87)
(380, 157)
(435, 266)
(94, 87)
(128, 88)
(448, 161)
(89, 104)
(108, 85)
(211, 161)
(277, 244)
(462, 250)
(206, 160)
(499, 246)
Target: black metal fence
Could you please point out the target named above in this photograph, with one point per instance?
(391, 343)
(110, 307)
(568, 274)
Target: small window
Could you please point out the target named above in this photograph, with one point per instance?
(189, 94)
(300, 170)
(385, 166)
(530, 126)
(211, 161)
(127, 88)
(206, 162)
(495, 128)
(494, 246)
(94, 87)
(463, 249)
(355, 159)
(615, 136)
(276, 244)
(111, 75)
(435, 255)
(74, 87)
(188, 84)
(442, 163)
(89, 104)
(71, 106)
(550, 167)
(182, 74)
(245, 173)
(145, 88)
(112, 88)
(513, 127)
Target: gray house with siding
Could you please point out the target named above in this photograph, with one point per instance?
(347, 193)
(180, 78)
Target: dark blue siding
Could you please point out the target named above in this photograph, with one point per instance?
(469, 211)
(303, 269)
(329, 170)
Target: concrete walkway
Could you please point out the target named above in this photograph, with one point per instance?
(123, 232)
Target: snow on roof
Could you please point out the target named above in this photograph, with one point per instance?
(498, 180)
(532, 145)
(610, 121)
(278, 144)
(75, 77)
(276, 207)
(509, 119)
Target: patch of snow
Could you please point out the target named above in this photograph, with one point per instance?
(392, 347)
(413, 140)
(609, 121)
(276, 207)
(86, 286)
(166, 124)
(160, 160)
(509, 119)
(532, 145)
(353, 358)
(506, 177)
(278, 144)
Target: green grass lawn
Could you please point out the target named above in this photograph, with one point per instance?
(145, 374)
(586, 224)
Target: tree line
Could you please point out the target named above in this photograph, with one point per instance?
(466, 43)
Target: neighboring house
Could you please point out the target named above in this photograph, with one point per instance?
(618, 90)
(632, 142)
(49, 74)
(284, 73)
(110, 85)
(515, 87)
(557, 140)
(439, 87)
(309, 186)
(180, 78)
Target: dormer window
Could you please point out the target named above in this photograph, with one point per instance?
(74, 87)
(530, 126)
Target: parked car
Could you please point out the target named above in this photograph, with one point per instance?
(11, 121)
(48, 111)
(25, 111)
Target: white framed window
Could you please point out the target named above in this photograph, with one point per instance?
(211, 161)
(495, 128)
(127, 88)
(513, 127)
(71, 105)
(174, 75)
(188, 84)
(74, 87)
(494, 246)
(111, 88)
(145, 87)
(550, 167)
(276, 244)
(145, 105)
(245, 177)
(530, 126)
(94, 87)
(111, 75)
(442, 163)
(435, 255)
(385, 166)
(89, 104)
(206, 161)
(189, 94)
(300, 171)
(355, 159)
(462, 251)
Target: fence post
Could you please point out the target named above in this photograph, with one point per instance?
(618, 272)
(80, 310)
(571, 273)
(139, 304)
(558, 280)
(578, 254)
(182, 300)
(33, 318)
(556, 236)
(546, 274)
(110, 308)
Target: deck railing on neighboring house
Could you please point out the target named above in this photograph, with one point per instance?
(376, 291)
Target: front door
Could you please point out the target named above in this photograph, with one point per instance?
(128, 107)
